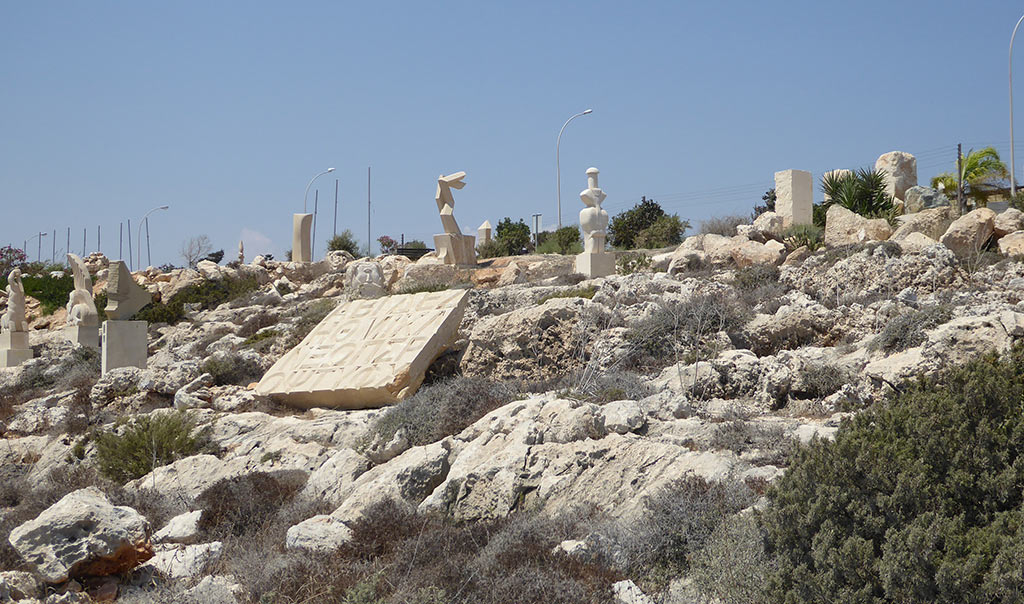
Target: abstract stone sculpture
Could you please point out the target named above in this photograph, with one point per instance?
(124, 296)
(452, 247)
(14, 349)
(364, 279)
(301, 226)
(483, 234)
(794, 201)
(594, 261)
(83, 320)
(368, 353)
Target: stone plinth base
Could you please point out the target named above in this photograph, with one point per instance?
(453, 249)
(83, 335)
(14, 348)
(596, 264)
(125, 344)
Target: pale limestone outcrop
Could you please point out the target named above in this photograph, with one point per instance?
(1008, 221)
(183, 528)
(184, 561)
(900, 169)
(748, 253)
(920, 198)
(932, 223)
(843, 227)
(916, 243)
(1012, 244)
(769, 224)
(332, 481)
(968, 234)
(321, 534)
(378, 351)
(83, 534)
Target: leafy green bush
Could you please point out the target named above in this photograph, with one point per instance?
(415, 244)
(565, 240)
(667, 230)
(492, 249)
(800, 235)
(208, 294)
(723, 225)
(769, 203)
(344, 241)
(908, 329)
(627, 225)
(627, 264)
(146, 442)
(917, 500)
(578, 292)
(515, 236)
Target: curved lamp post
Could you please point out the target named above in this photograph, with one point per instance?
(558, 165)
(306, 195)
(1013, 166)
(39, 248)
(139, 238)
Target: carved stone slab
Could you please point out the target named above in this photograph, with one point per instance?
(124, 296)
(368, 353)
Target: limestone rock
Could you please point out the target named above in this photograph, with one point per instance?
(215, 590)
(916, 243)
(183, 528)
(19, 585)
(83, 534)
(968, 234)
(843, 227)
(1012, 244)
(186, 561)
(769, 224)
(920, 198)
(418, 276)
(318, 535)
(331, 481)
(718, 249)
(749, 253)
(931, 223)
(623, 417)
(1008, 221)
(900, 170)
(626, 592)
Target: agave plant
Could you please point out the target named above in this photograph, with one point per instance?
(862, 192)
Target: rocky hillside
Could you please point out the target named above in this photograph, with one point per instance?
(581, 440)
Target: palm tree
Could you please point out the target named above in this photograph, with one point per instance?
(982, 173)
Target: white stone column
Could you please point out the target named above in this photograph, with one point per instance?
(124, 344)
(794, 197)
(301, 226)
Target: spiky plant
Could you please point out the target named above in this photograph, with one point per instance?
(982, 172)
(862, 192)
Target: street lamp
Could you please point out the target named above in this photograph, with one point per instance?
(39, 248)
(139, 238)
(304, 197)
(1013, 166)
(558, 166)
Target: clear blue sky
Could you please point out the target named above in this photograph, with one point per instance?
(226, 110)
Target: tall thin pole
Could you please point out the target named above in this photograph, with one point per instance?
(84, 232)
(312, 243)
(335, 207)
(149, 255)
(53, 254)
(1013, 166)
(98, 247)
(558, 164)
(67, 250)
(120, 241)
(369, 249)
(962, 203)
(39, 247)
(130, 267)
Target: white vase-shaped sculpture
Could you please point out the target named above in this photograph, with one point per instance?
(594, 261)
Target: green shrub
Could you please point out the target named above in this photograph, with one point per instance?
(491, 249)
(232, 368)
(917, 499)
(344, 241)
(667, 230)
(578, 292)
(52, 292)
(207, 294)
(821, 380)
(800, 235)
(565, 240)
(424, 287)
(723, 225)
(415, 244)
(627, 264)
(908, 329)
(627, 225)
(515, 236)
(146, 442)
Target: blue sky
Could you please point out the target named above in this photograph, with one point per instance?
(225, 111)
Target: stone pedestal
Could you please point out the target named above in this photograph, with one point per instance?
(14, 349)
(595, 264)
(125, 344)
(301, 226)
(83, 335)
(794, 190)
(483, 234)
(459, 250)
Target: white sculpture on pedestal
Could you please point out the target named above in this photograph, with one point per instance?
(81, 307)
(14, 318)
(594, 261)
(452, 247)
(241, 252)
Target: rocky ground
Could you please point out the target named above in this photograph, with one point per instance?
(581, 402)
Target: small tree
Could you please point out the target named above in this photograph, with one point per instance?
(565, 240)
(769, 203)
(10, 257)
(387, 244)
(667, 230)
(625, 226)
(983, 174)
(344, 242)
(215, 257)
(415, 244)
(514, 235)
(194, 249)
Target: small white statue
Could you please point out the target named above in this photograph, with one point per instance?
(81, 307)
(14, 319)
(593, 220)
(241, 252)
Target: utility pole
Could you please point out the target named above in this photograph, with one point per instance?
(120, 241)
(53, 254)
(961, 202)
(84, 233)
(536, 230)
(312, 243)
(149, 256)
(67, 250)
(335, 207)
(130, 267)
(369, 242)
(98, 247)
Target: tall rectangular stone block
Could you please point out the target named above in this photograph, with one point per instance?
(83, 335)
(794, 197)
(14, 349)
(124, 344)
(301, 248)
(595, 264)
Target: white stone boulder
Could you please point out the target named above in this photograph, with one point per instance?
(83, 534)
(1008, 221)
(769, 224)
(1012, 244)
(184, 561)
(968, 234)
(843, 227)
(916, 243)
(626, 592)
(623, 417)
(331, 481)
(900, 169)
(318, 535)
(920, 198)
(183, 528)
(932, 223)
(749, 253)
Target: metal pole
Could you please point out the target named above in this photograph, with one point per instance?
(306, 195)
(120, 241)
(960, 180)
(536, 230)
(1013, 166)
(312, 242)
(558, 164)
(67, 250)
(53, 254)
(39, 247)
(149, 255)
(84, 232)
(99, 248)
(369, 250)
(130, 267)
(335, 207)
